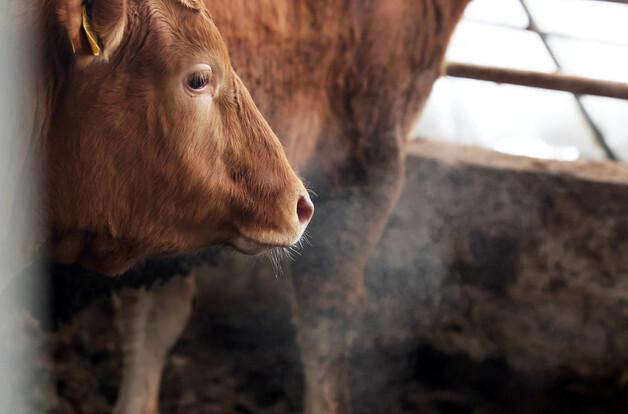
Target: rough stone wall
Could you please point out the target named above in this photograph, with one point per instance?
(497, 256)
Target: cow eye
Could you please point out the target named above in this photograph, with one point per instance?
(198, 80)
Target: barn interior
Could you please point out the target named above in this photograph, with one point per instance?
(500, 284)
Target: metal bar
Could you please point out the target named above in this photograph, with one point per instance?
(597, 133)
(555, 81)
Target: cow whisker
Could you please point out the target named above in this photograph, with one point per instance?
(307, 238)
(274, 256)
(295, 250)
(277, 256)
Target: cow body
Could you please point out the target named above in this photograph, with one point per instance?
(134, 167)
(147, 141)
(341, 83)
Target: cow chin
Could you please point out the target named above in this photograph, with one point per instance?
(248, 246)
(254, 246)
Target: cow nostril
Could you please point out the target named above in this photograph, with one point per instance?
(305, 210)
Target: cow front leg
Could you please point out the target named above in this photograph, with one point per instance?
(329, 278)
(149, 323)
(325, 363)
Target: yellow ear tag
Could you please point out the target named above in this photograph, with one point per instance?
(92, 38)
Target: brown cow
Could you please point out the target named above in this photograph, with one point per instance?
(155, 147)
(150, 143)
(342, 83)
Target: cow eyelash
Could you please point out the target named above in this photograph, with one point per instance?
(198, 80)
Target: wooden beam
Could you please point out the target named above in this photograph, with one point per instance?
(556, 81)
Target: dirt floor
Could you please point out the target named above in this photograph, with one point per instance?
(238, 355)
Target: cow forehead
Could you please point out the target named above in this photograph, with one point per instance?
(191, 26)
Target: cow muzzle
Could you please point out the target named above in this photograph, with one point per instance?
(258, 241)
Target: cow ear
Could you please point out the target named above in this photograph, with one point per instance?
(94, 27)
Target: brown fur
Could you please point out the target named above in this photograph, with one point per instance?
(342, 83)
(134, 166)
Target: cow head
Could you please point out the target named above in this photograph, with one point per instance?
(155, 145)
